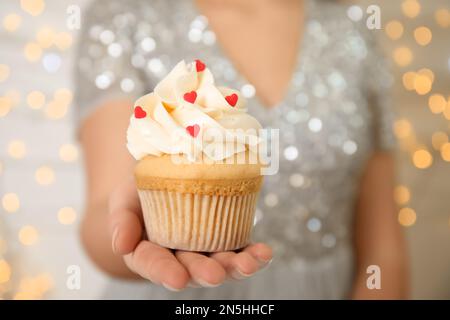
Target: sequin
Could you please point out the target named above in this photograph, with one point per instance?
(320, 90)
(271, 200)
(301, 99)
(199, 23)
(148, 44)
(138, 61)
(355, 13)
(329, 240)
(296, 180)
(106, 37)
(291, 153)
(248, 90)
(127, 85)
(293, 116)
(115, 50)
(299, 78)
(209, 38)
(315, 124)
(349, 147)
(94, 32)
(314, 225)
(102, 81)
(156, 66)
(229, 74)
(336, 80)
(195, 35)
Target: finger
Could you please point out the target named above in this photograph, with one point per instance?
(126, 231)
(261, 252)
(125, 222)
(203, 270)
(158, 265)
(238, 265)
(125, 196)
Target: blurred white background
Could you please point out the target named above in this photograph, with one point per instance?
(41, 181)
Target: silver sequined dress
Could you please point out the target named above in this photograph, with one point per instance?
(334, 115)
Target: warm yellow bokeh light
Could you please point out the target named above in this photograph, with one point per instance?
(28, 235)
(428, 73)
(422, 159)
(401, 195)
(33, 7)
(442, 17)
(63, 40)
(12, 22)
(438, 139)
(411, 8)
(44, 175)
(14, 95)
(408, 80)
(43, 283)
(4, 72)
(422, 84)
(402, 128)
(63, 96)
(32, 51)
(25, 296)
(403, 56)
(437, 103)
(407, 217)
(35, 99)
(45, 37)
(446, 111)
(5, 106)
(17, 149)
(68, 153)
(423, 35)
(67, 215)
(56, 110)
(11, 202)
(5, 271)
(34, 287)
(394, 29)
(445, 151)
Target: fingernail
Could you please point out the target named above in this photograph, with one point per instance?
(239, 275)
(264, 263)
(205, 284)
(170, 288)
(114, 238)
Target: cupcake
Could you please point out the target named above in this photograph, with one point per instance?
(198, 175)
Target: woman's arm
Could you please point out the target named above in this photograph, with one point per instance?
(378, 235)
(112, 226)
(107, 164)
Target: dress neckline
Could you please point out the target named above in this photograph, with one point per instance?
(300, 54)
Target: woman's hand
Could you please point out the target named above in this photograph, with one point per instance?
(174, 269)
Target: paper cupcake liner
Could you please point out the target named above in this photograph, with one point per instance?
(197, 222)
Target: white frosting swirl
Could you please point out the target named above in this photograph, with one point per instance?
(187, 114)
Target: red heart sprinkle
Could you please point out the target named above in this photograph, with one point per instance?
(193, 130)
(232, 99)
(190, 96)
(139, 112)
(199, 65)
